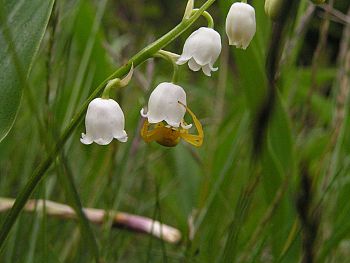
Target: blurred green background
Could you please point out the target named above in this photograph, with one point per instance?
(228, 206)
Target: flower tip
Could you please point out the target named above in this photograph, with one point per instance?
(207, 69)
(172, 123)
(104, 141)
(85, 140)
(123, 137)
(181, 61)
(207, 73)
(193, 65)
(143, 114)
(186, 127)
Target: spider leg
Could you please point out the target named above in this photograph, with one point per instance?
(194, 139)
(149, 135)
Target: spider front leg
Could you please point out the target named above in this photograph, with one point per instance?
(194, 139)
(149, 135)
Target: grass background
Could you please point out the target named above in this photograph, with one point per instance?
(241, 209)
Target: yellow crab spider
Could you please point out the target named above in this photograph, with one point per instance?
(170, 136)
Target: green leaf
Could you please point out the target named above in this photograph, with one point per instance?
(22, 28)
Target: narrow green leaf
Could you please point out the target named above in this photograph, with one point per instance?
(22, 28)
(72, 195)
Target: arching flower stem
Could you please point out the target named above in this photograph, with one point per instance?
(207, 16)
(172, 58)
(117, 83)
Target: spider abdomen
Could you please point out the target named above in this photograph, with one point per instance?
(169, 137)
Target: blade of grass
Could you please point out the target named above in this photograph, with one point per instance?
(230, 249)
(68, 184)
(83, 66)
(223, 172)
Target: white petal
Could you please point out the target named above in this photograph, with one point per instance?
(206, 70)
(155, 118)
(188, 46)
(192, 64)
(186, 127)
(182, 60)
(104, 141)
(85, 139)
(121, 136)
(209, 47)
(143, 114)
(212, 68)
(173, 123)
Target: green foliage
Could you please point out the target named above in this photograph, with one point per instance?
(22, 28)
(229, 205)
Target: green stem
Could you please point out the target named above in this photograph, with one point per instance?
(137, 59)
(117, 83)
(170, 57)
(207, 16)
(109, 86)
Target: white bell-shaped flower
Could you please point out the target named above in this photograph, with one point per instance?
(240, 25)
(104, 121)
(201, 50)
(163, 105)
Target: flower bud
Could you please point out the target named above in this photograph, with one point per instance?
(273, 8)
(104, 121)
(201, 49)
(240, 25)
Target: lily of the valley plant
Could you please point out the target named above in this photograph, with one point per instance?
(167, 106)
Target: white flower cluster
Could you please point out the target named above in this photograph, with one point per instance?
(167, 103)
(203, 46)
